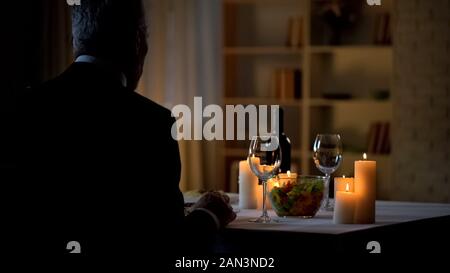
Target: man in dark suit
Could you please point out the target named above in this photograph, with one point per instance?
(97, 161)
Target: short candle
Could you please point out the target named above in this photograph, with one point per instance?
(341, 182)
(344, 207)
(278, 180)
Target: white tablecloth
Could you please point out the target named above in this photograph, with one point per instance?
(387, 213)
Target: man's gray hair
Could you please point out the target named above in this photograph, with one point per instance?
(103, 27)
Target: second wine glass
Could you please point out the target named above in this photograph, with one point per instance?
(327, 155)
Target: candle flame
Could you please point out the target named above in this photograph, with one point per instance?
(347, 188)
(343, 176)
(289, 173)
(364, 156)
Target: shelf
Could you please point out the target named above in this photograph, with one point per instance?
(262, 101)
(261, 50)
(334, 49)
(239, 152)
(358, 155)
(370, 156)
(254, 48)
(330, 102)
(257, 1)
(235, 152)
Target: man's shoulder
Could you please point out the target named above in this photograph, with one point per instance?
(49, 87)
(149, 105)
(71, 86)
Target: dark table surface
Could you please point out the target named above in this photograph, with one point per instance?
(400, 227)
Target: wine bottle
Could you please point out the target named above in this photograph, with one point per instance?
(285, 145)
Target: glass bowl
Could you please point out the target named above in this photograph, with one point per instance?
(301, 196)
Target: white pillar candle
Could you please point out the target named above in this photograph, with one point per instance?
(340, 184)
(249, 190)
(365, 190)
(344, 206)
(264, 168)
(270, 184)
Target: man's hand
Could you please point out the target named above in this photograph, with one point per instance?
(219, 204)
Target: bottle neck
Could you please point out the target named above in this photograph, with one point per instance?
(281, 121)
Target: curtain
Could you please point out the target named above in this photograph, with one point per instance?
(56, 40)
(184, 61)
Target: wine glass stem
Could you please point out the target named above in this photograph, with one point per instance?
(264, 209)
(327, 193)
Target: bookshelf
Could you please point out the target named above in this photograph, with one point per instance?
(338, 81)
(335, 49)
(261, 50)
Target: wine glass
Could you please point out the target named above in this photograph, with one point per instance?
(264, 158)
(327, 155)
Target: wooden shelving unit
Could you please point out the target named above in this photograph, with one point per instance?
(351, 102)
(242, 152)
(334, 49)
(263, 101)
(260, 50)
(254, 45)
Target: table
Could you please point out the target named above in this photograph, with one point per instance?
(400, 226)
(388, 213)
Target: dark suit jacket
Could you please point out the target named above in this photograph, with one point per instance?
(97, 164)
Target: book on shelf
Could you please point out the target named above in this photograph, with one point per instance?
(383, 30)
(234, 173)
(287, 83)
(295, 32)
(297, 83)
(379, 138)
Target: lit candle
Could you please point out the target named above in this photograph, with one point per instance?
(344, 206)
(341, 182)
(255, 161)
(365, 190)
(273, 182)
(249, 190)
(264, 168)
(288, 176)
(278, 180)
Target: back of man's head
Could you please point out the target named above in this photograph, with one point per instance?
(106, 28)
(114, 31)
